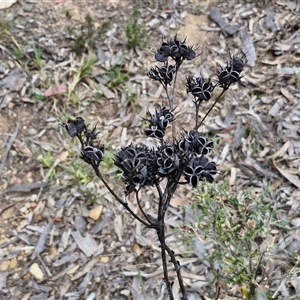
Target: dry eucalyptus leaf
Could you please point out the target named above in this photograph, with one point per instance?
(87, 244)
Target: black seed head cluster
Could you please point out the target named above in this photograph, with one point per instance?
(175, 49)
(162, 74)
(75, 127)
(91, 151)
(200, 88)
(184, 158)
(232, 72)
(158, 123)
(138, 166)
(199, 168)
(143, 166)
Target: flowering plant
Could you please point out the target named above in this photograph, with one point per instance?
(182, 161)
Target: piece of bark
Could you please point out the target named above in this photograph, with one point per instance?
(40, 246)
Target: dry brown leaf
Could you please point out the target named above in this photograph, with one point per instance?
(282, 150)
(118, 225)
(287, 95)
(86, 269)
(6, 3)
(291, 178)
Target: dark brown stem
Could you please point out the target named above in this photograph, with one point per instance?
(210, 109)
(141, 209)
(125, 204)
(161, 199)
(164, 202)
(197, 113)
(162, 240)
(177, 269)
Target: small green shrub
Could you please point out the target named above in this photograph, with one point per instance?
(86, 37)
(136, 33)
(238, 223)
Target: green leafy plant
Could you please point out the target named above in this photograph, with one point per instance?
(182, 161)
(38, 57)
(239, 224)
(116, 74)
(49, 162)
(136, 33)
(86, 37)
(84, 70)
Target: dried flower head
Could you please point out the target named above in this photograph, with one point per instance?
(199, 88)
(163, 74)
(158, 122)
(175, 49)
(75, 127)
(232, 72)
(200, 168)
(168, 161)
(138, 166)
(92, 154)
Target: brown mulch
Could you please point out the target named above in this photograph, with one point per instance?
(59, 241)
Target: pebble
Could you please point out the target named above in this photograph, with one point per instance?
(23, 209)
(125, 293)
(96, 212)
(13, 263)
(104, 259)
(4, 265)
(33, 197)
(36, 272)
(32, 131)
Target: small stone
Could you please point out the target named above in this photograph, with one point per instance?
(13, 263)
(96, 212)
(32, 131)
(27, 276)
(33, 197)
(125, 293)
(53, 252)
(23, 209)
(36, 272)
(4, 265)
(104, 259)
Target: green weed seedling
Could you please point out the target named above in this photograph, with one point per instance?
(88, 34)
(38, 57)
(116, 74)
(136, 33)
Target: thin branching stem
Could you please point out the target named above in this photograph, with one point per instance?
(197, 105)
(125, 204)
(162, 240)
(143, 166)
(177, 269)
(161, 199)
(210, 109)
(141, 208)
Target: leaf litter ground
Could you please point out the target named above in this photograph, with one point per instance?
(62, 236)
